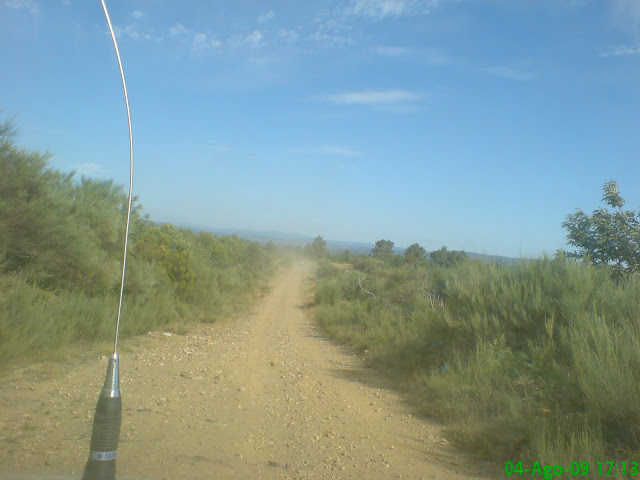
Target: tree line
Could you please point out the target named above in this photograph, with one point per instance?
(414, 255)
(609, 237)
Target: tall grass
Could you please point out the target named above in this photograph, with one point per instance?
(35, 323)
(536, 360)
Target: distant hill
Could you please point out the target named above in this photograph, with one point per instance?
(493, 258)
(279, 238)
(333, 246)
(357, 248)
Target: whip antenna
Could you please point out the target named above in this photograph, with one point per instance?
(101, 464)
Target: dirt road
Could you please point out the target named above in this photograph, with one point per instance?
(262, 397)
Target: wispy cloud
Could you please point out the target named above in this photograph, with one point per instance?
(266, 17)
(179, 29)
(198, 40)
(331, 40)
(393, 51)
(430, 56)
(620, 50)
(254, 38)
(379, 9)
(31, 5)
(289, 36)
(395, 101)
(88, 169)
(202, 40)
(331, 150)
(131, 32)
(374, 97)
(332, 33)
(509, 72)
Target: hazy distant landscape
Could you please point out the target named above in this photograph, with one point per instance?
(332, 246)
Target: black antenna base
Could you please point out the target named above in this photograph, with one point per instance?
(101, 464)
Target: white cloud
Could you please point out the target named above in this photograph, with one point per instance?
(288, 35)
(332, 33)
(331, 40)
(254, 38)
(31, 5)
(202, 40)
(429, 56)
(88, 169)
(392, 51)
(380, 9)
(179, 29)
(266, 17)
(131, 32)
(620, 50)
(199, 40)
(508, 72)
(137, 14)
(331, 150)
(374, 97)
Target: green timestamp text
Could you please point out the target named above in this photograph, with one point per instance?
(601, 469)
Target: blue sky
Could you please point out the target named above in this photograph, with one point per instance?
(478, 125)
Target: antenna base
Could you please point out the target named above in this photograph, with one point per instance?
(107, 421)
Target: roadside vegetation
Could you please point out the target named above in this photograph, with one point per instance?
(537, 360)
(61, 244)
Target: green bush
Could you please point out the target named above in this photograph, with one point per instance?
(538, 360)
(326, 269)
(60, 262)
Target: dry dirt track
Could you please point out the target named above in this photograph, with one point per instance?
(262, 397)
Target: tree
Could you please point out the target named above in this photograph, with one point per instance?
(170, 250)
(447, 258)
(383, 250)
(102, 205)
(317, 248)
(439, 257)
(605, 237)
(346, 256)
(44, 234)
(415, 254)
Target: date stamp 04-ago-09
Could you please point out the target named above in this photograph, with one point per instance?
(604, 469)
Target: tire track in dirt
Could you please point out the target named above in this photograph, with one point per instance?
(266, 396)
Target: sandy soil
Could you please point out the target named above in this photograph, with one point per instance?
(266, 396)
